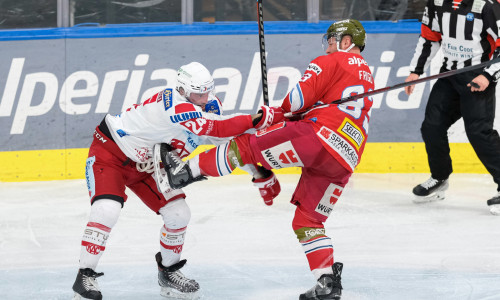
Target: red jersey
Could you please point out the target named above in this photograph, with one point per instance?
(341, 128)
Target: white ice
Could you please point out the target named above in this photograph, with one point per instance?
(238, 248)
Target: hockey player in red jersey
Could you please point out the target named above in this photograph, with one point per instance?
(122, 155)
(327, 143)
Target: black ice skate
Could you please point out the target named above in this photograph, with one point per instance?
(86, 286)
(430, 190)
(173, 283)
(494, 205)
(178, 172)
(327, 287)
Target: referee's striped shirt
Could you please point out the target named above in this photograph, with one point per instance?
(466, 30)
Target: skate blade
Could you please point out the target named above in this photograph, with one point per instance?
(436, 196)
(171, 293)
(495, 209)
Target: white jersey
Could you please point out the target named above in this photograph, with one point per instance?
(168, 117)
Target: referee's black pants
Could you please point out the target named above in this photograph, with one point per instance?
(450, 100)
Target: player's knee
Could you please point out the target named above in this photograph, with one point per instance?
(176, 214)
(308, 233)
(105, 212)
(306, 228)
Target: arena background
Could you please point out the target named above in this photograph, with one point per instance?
(57, 84)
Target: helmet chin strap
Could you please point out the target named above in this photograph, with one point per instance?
(346, 50)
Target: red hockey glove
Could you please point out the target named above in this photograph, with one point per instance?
(269, 187)
(270, 116)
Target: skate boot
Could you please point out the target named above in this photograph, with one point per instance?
(430, 190)
(494, 204)
(327, 287)
(178, 172)
(86, 286)
(173, 283)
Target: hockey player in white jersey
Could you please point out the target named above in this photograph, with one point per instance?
(121, 155)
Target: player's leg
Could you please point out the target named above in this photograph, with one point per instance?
(478, 110)
(176, 215)
(315, 196)
(107, 191)
(443, 109)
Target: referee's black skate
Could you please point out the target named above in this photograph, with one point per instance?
(494, 205)
(173, 283)
(85, 286)
(430, 190)
(327, 287)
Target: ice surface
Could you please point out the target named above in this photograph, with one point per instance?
(238, 248)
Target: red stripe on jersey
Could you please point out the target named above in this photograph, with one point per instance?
(430, 35)
(99, 226)
(174, 230)
(184, 107)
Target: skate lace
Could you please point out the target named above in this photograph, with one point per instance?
(90, 282)
(178, 163)
(179, 279)
(430, 183)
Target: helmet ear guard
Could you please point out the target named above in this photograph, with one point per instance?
(194, 78)
(350, 27)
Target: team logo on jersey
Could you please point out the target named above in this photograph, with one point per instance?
(352, 132)
(314, 68)
(470, 17)
(330, 197)
(167, 98)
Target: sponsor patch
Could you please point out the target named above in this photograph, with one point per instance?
(477, 6)
(330, 197)
(352, 132)
(185, 116)
(213, 107)
(282, 156)
(167, 98)
(270, 129)
(339, 145)
(314, 68)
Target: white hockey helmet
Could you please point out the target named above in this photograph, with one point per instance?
(194, 78)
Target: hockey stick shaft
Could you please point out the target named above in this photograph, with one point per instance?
(420, 80)
(262, 46)
(404, 84)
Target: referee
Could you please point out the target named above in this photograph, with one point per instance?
(467, 33)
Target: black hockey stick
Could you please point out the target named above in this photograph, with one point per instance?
(420, 80)
(404, 84)
(260, 20)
